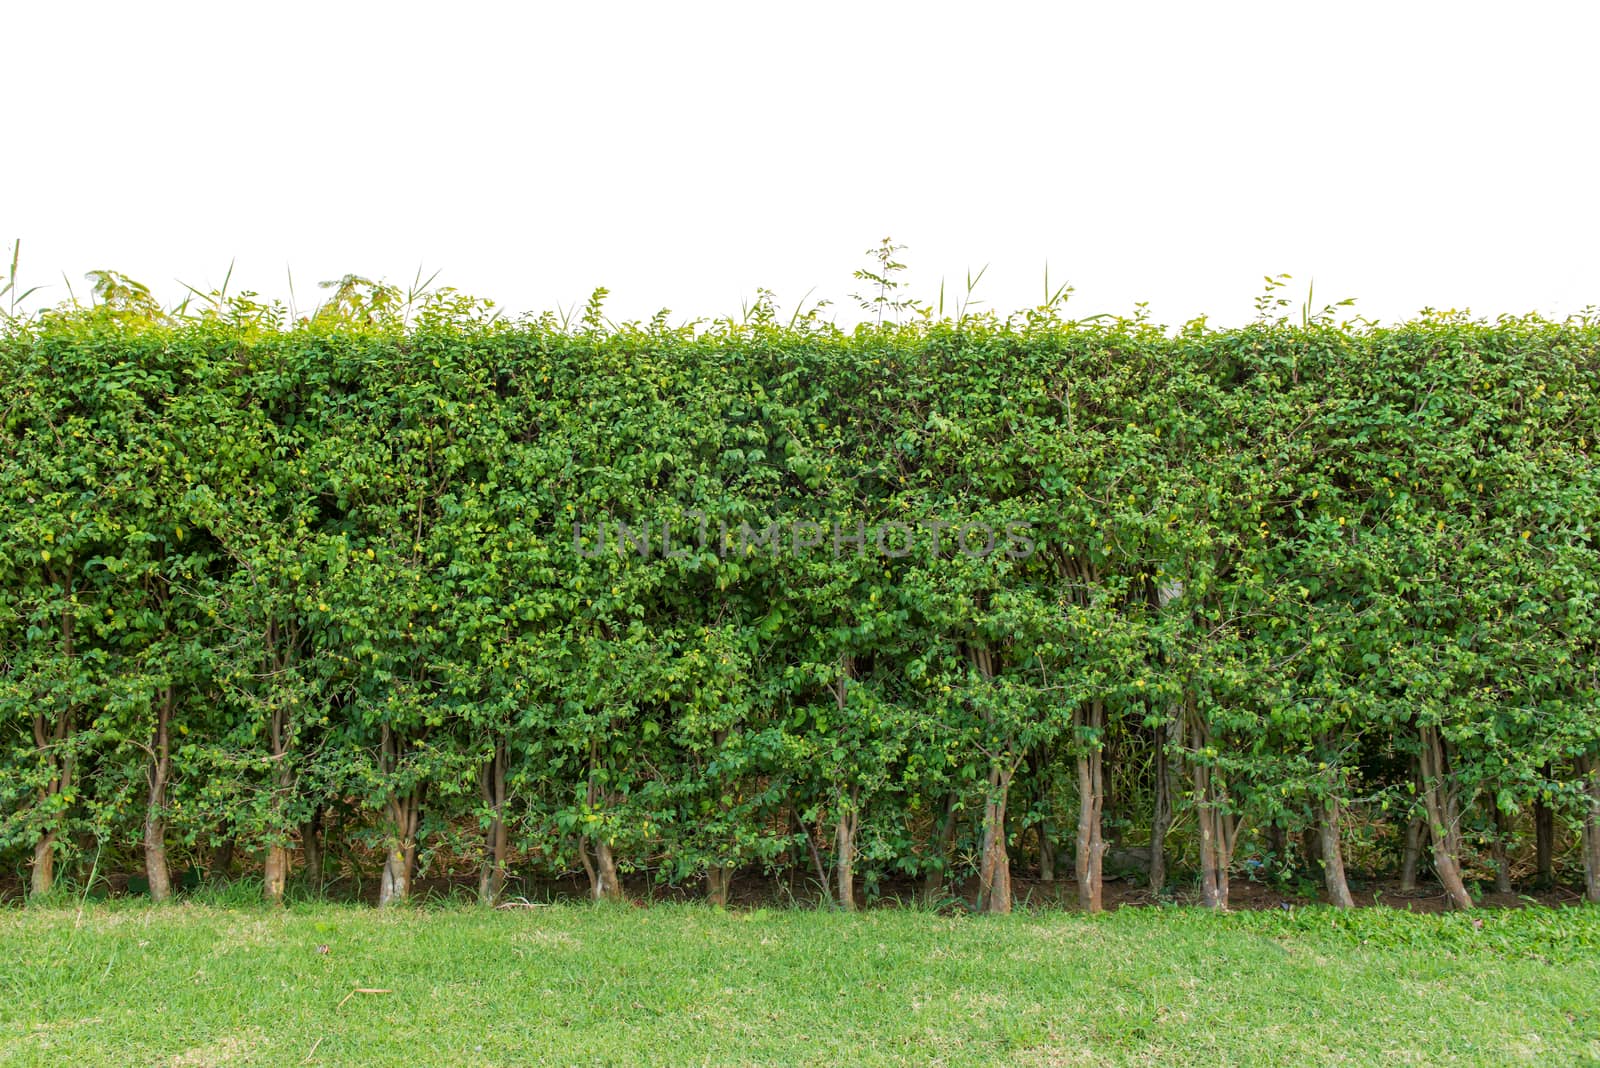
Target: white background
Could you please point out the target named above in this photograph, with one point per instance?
(1409, 155)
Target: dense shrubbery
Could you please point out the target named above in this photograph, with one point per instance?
(1294, 589)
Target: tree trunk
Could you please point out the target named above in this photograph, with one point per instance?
(155, 824)
(1044, 828)
(1217, 826)
(492, 876)
(604, 885)
(1500, 851)
(1217, 829)
(43, 875)
(403, 813)
(1439, 796)
(1161, 818)
(1333, 857)
(492, 784)
(49, 737)
(994, 862)
(1330, 851)
(222, 859)
(155, 858)
(395, 885)
(943, 841)
(1091, 800)
(1411, 854)
(275, 869)
(813, 836)
(400, 857)
(1311, 848)
(1544, 840)
(994, 865)
(848, 817)
(275, 873)
(311, 845)
(399, 867)
(1589, 770)
(1415, 838)
(845, 849)
(719, 879)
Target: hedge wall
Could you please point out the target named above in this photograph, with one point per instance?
(1258, 600)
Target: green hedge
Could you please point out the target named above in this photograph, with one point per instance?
(1264, 598)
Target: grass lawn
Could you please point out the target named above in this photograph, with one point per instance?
(129, 984)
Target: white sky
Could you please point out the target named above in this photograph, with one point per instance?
(685, 154)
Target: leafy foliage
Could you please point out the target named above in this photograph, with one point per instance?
(354, 570)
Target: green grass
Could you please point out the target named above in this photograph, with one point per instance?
(123, 983)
